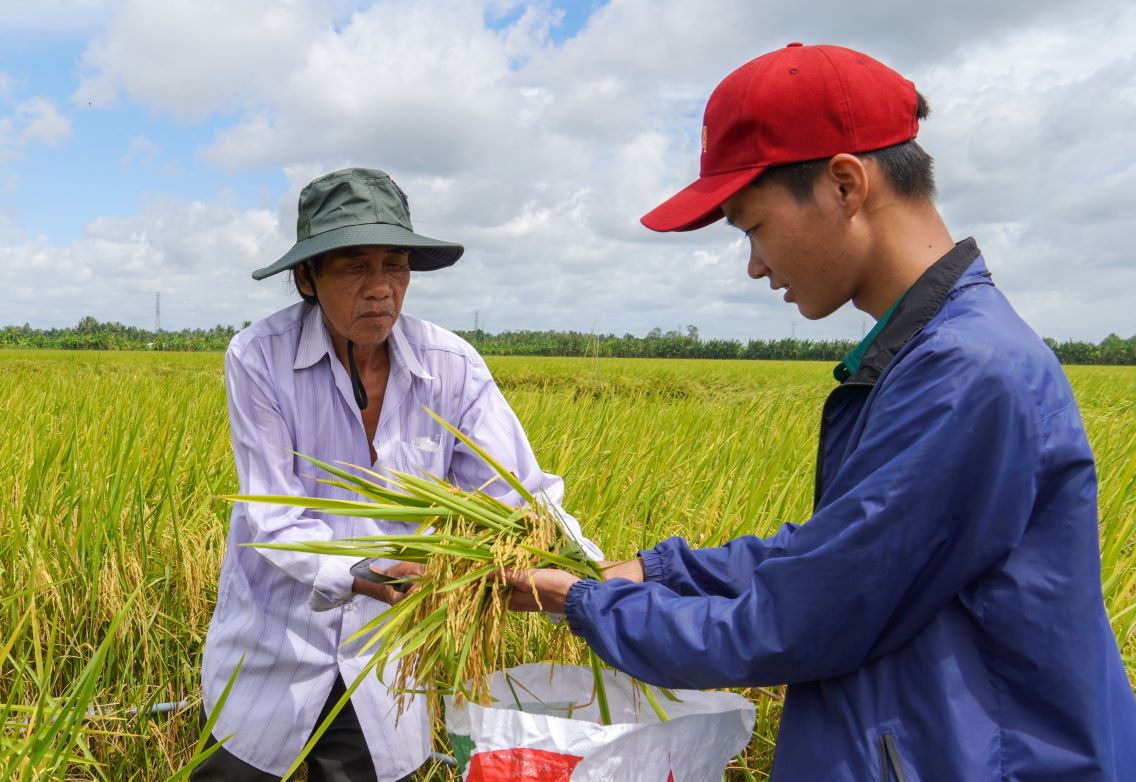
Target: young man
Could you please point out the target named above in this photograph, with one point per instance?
(940, 615)
(342, 376)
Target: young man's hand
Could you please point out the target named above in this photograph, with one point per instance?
(543, 589)
(546, 589)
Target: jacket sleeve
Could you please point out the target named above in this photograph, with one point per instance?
(487, 419)
(725, 570)
(262, 449)
(937, 492)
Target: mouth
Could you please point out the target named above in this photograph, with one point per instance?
(784, 287)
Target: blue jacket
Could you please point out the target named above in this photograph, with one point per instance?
(940, 616)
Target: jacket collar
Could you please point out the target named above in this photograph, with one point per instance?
(315, 343)
(921, 303)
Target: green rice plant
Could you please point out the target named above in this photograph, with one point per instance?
(448, 633)
(110, 463)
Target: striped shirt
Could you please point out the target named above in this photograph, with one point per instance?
(287, 613)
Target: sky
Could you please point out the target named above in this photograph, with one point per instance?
(159, 148)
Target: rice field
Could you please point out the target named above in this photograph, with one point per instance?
(111, 539)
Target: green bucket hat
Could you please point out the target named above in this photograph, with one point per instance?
(359, 206)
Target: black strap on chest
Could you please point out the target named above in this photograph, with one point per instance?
(356, 382)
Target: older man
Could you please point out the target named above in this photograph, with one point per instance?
(342, 376)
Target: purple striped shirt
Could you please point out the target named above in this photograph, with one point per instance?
(287, 613)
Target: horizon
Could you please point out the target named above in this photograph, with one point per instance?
(696, 334)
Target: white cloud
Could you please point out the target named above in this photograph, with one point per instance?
(191, 58)
(34, 121)
(198, 255)
(542, 156)
(141, 151)
(40, 122)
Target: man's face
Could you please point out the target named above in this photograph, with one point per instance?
(801, 247)
(360, 291)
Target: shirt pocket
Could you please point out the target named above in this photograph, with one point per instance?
(420, 456)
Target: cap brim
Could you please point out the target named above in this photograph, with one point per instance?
(426, 254)
(700, 203)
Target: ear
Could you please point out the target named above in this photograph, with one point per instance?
(300, 275)
(849, 181)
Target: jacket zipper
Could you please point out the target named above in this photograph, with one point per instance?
(889, 758)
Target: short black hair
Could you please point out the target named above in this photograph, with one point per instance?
(310, 268)
(908, 168)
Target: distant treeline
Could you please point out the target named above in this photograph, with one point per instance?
(675, 344)
(91, 334)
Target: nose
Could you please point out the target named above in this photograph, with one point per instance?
(757, 268)
(378, 283)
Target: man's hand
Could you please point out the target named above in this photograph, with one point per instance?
(386, 592)
(551, 585)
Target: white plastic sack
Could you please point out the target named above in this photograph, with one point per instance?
(558, 735)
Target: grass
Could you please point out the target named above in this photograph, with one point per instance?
(109, 464)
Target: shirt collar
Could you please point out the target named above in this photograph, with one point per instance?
(961, 266)
(404, 352)
(315, 343)
(851, 363)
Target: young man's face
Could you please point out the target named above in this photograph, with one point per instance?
(360, 291)
(802, 247)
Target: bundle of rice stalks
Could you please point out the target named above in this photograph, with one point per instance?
(448, 634)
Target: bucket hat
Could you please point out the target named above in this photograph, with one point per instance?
(358, 206)
(788, 106)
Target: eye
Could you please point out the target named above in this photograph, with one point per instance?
(399, 262)
(750, 232)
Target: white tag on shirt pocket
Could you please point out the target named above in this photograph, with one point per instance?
(428, 443)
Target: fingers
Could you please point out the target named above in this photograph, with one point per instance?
(521, 597)
(544, 589)
(383, 592)
(401, 570)
(396, 585)
(402, 573)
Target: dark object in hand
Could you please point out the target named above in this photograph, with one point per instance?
(362, 569)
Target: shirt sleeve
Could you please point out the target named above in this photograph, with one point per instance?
(938, 491)
(262, 448)
(487, 419)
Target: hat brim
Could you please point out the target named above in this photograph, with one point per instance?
(426, 254)
(700, 203)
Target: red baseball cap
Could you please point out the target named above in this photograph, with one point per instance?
(791, 105)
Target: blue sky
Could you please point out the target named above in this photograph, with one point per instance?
(150, 147)
(97, 172)
(118, 157)
(106, 170)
